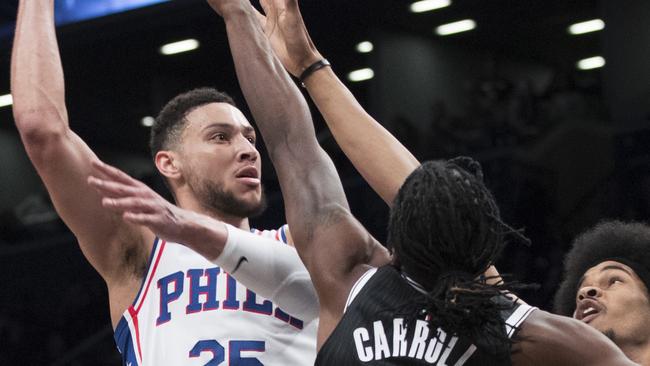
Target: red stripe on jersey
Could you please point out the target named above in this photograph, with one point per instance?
(151, 275)
(134, 317)
(277, 235)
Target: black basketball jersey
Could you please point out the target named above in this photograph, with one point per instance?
(372, 331)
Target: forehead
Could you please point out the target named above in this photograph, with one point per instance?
(610, 266)
(220, 113)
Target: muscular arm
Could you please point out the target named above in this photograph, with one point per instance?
(266, 266)
(61, 158)
(358, 134)
(546, 339)
(331, 243)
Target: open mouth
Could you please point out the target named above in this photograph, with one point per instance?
(589, 314)
(588, 310)
(248, 176)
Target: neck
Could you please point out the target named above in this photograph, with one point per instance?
(193, 205)
(637, 352)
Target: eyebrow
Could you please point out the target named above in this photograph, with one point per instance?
(228, 126)
(610, 267)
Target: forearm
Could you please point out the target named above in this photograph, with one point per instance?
(281, 113)
(201, 233)
(307, 176)
(36, 74)
(271, 269)
(380, 158)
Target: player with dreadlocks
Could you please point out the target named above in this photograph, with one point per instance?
(442, 209)
(606, 281)
(444, 231)
(430, 299)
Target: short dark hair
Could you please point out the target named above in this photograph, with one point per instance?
(171, 120)
(445, 231)
(627, 242)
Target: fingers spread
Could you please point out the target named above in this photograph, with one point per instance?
(110, 188)
(130, 204)
(139, 218)
(114, 173)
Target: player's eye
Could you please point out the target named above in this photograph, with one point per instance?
(220, 136)
(613, 280)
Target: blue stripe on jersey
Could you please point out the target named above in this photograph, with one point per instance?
(283, 235)
(124, 343)
(153, 250)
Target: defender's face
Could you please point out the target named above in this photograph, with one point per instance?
(219, 153)
(614, 300)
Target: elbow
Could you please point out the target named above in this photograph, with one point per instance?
(39, 130)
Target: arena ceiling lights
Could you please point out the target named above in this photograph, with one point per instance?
(589, 26)
(591, 63)
(428, 5)
(361, 75)
(6, 100)
(456, 27)
(365, 47)
(179, 47)
(147, 121)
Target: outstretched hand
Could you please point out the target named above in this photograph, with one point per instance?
(138, 204)
(286, 30)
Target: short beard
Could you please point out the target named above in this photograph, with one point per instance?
(215, 198)
(609, 333)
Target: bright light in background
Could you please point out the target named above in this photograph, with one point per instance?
(180, 46)
(456, 27)
(6, 100)
(361, 75)
(591, 63)
(365, 47)
(147, 121)
(586, 27)
(428, 5)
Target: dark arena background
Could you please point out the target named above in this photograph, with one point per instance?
(564, 143)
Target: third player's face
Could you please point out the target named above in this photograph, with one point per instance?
(220, 155)
(614, 300)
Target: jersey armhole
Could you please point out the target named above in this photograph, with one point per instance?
(517, 317)
(358, 286)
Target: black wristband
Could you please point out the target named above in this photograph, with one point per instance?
(311, 69)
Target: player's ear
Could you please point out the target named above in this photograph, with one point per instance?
(168, 164)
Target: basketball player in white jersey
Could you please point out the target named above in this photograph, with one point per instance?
(337, 250)
(168, 304)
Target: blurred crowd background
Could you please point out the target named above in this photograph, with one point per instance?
(564, 142)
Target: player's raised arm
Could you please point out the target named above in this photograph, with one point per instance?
(278, 273)
(333, 245)
(61, 158)
(358, 134)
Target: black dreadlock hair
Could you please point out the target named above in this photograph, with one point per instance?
(625, 242)
(445, 230)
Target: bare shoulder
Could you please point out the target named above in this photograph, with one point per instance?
(547, 339)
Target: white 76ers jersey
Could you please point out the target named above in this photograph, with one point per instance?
(190, 312)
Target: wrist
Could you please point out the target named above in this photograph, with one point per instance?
(313, 68)
(206, 235)
(309, 60)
